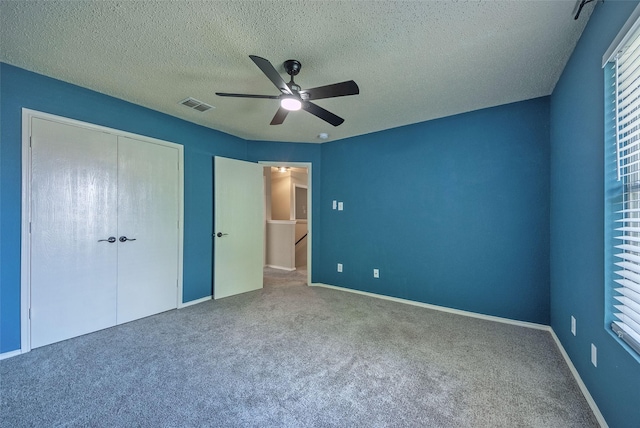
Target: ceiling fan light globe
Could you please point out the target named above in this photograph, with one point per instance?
(290, 104)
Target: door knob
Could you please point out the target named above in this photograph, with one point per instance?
(125, 239)
(220, 234)
(111, 239)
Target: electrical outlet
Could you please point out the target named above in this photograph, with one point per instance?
(594, 355)
(573, 325)
(376, 273)
(339, 267)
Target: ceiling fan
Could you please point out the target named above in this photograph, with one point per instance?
(293, 97)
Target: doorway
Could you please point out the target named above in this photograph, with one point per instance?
(288, 237)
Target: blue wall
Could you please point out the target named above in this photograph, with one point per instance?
(577, 222)
(454, 212)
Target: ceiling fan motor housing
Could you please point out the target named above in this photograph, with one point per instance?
(292, 67)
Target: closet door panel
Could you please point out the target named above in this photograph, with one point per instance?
(73, 206)
(147, 212)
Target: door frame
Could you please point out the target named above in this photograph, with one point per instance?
(25, 249)
(307, 165)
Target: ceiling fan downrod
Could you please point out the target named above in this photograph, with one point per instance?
(292, 67)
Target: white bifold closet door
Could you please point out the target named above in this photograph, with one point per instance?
(89, 191)
(74, 178)
(148, 213)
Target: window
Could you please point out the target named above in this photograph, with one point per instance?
(622, 77)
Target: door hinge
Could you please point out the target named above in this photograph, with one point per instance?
(29, 313)
(30, 140)
(29, 227)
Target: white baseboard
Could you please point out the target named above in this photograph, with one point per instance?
(581, 385)
(281, 268)
(439, 308)
(574, 372)
(10, 354)
(194, 302)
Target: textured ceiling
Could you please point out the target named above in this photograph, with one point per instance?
(413, 60)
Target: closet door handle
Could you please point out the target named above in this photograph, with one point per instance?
(125, 239)
(220, 234)
(111, 239)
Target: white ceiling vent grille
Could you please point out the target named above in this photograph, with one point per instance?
(196, 105)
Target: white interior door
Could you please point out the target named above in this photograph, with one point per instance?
(239, 227)
(73, 275)
(148, 213)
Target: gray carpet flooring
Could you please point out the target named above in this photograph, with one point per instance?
(296, 356)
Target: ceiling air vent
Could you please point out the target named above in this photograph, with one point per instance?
(196, 105)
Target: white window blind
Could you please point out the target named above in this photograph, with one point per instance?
(625, 69)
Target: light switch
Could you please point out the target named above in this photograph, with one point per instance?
(340, 206)
(335, 204)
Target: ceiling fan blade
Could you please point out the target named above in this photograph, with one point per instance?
(271, 73)
(271, 97)
(281, 114)
(323, 114)
(336, 90)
